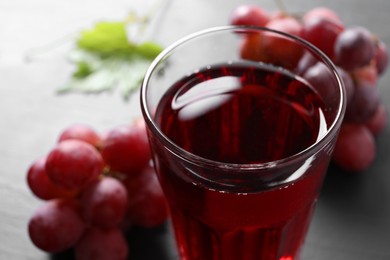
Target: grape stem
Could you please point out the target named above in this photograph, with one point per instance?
(145, 23)
(110, 173)
(281, 6)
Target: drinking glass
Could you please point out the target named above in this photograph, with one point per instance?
(242, 122)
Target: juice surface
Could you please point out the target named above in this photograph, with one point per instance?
(241, 113)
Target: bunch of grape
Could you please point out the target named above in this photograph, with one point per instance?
(95, 187)
(361, 58)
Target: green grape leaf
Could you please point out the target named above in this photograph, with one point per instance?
(149, 50)
(105, 59)
(105, 38)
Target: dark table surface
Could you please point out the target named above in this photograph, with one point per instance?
(352, 220)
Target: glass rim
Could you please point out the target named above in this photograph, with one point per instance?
(199, 160)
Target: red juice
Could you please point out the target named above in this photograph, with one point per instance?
(241, 114)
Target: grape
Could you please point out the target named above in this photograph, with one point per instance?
(355, 148)
(280, 50)
(102, 244)
(104, 202)
(378, 121)
(147, 205)
(126, 149)
(354, 48)
(72, 164)
(249, 15)
(348, 84)
(56, 226)
(251, 48)
(322, 32)
(321, 12)
(307, 60)
(319, 77)
(286, 24)
(368, 74)
(363, 105)
(42, 186)
(81, 132)
(381, 57)
(136, 183)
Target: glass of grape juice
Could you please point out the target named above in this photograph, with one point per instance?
(241, 140)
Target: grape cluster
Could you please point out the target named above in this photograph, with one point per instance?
(95, 188)
(360, 56)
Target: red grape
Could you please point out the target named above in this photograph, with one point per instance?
(104, 202)
(368, 74)
(321, 12)
(249, 15)
(102, 244)
(381, 57)
(137, 182)
(363, 105)
(354, 48)
(280, 50)
(287, 24)
(56, 226)
(126, 149)
(81, 132)
(378, 122)
(251, 48)
(307, 60)
(322, 32)
(319, 77)
(72, 164)
(147, 205)
(355, 148)
(40, 184)
(348, 84)
(133, 184)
